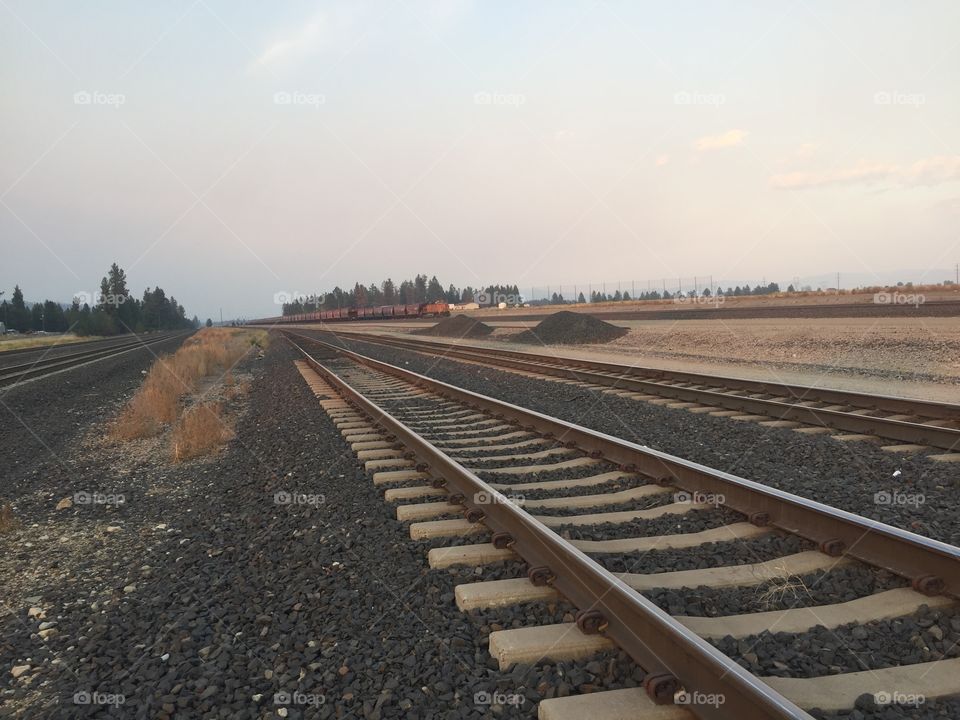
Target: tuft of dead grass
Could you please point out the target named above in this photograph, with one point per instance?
(209, 352)
(785, 590)
(8, 522)
(201, 429)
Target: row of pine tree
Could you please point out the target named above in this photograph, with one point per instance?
(113, 312)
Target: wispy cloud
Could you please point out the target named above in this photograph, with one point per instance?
(304, 39)
(928, 171)
(728, 139)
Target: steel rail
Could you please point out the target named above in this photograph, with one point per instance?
(672, 655)
(932, 566)
(13, 374)
(56, 346)
(625, 378)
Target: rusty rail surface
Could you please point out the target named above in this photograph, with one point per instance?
(672, 656)
(789, 402)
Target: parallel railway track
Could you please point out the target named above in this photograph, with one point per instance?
(466, 453)
(13, 375)
(902, 420)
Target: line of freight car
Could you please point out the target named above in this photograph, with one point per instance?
(382, 312)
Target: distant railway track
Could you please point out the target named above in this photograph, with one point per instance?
(903, 420)
(467, 454)
(15, 375)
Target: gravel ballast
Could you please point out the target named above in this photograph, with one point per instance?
(839, 585)
(925, 636)
(858, 477)
(689, 522)
(209, 596)
(710, 555)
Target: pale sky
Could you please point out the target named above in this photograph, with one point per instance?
(229, 151)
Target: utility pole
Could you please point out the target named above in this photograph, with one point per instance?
(221, 317)
(838, 283)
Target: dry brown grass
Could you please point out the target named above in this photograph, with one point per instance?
(8, 523)
(786, 590)
(209, 352)
(201, 429)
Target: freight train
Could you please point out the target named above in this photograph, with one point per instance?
(381, 312)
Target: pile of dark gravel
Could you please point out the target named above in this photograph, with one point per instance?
(458, 326)
(689, 522)
(618, 485)
(868, 708)
(839, 585)
(927, 635)
(545, 475)
(635, 505)
(570, 328)
(710, 555)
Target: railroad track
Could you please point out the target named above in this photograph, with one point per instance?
(14, 375)
(462, 466)
(912, 424)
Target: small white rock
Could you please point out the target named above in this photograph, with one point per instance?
(129, 588)
(19, 670)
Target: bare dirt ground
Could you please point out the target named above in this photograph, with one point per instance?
(922, 301)
(895, 356)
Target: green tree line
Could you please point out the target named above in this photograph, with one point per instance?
(112, 311)
(408, 292)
